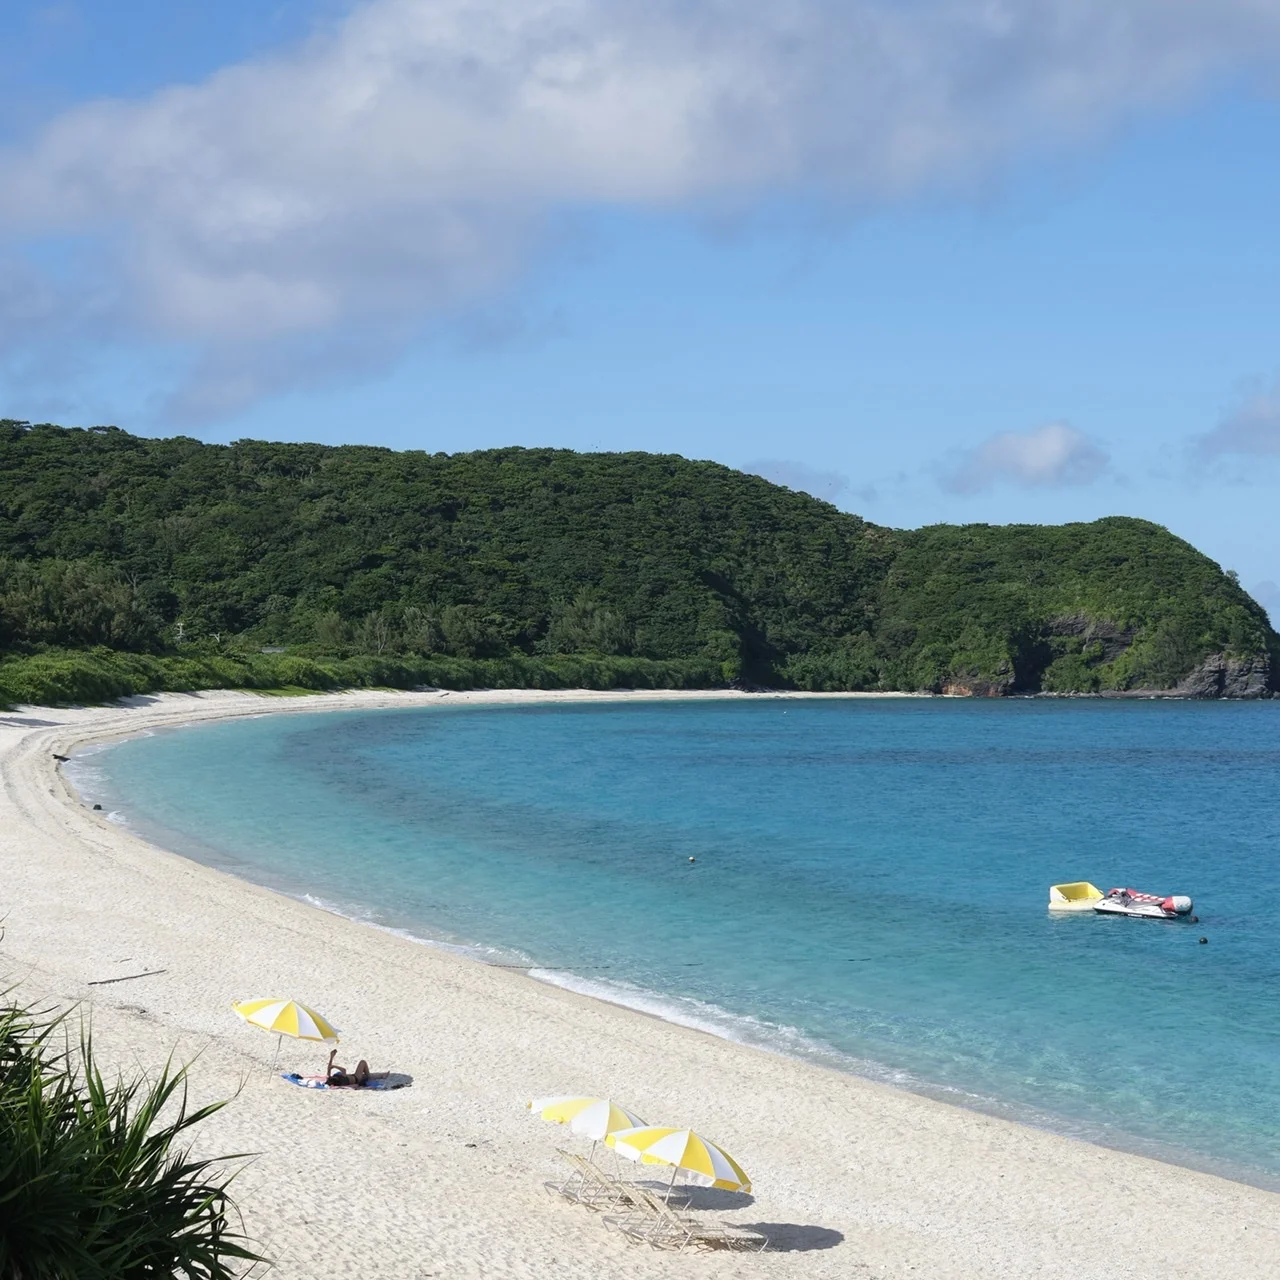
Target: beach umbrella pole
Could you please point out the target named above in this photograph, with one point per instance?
(275, 1057)
(674, 1170)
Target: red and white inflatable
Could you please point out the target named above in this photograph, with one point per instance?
(1150, 906)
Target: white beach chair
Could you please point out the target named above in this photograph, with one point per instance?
(653, 1222)
(587, 1184)
(649, 1221)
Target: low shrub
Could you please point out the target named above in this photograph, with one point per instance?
(66, 677)
(94, 1180)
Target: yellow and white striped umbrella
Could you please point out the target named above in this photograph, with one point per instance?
(593, 1118)
(705, 1163)
(286, 1018)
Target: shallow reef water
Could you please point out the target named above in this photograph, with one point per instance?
(863, 882)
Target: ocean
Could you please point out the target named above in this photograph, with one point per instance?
(859, 882)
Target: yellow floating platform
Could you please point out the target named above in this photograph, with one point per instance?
(1079, 895)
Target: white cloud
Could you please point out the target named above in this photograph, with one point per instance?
(1252, 428)
(295, 209)
(1053, 456)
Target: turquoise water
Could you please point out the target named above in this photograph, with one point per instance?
(869, 885)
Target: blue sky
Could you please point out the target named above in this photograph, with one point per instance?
(934, 261)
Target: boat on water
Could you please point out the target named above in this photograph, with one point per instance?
(1080, 895)
(1149, 906)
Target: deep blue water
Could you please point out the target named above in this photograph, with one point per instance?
(869, 885)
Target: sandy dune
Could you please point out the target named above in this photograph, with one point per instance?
(444, 1178)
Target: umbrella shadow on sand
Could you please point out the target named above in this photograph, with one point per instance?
(791, 1237)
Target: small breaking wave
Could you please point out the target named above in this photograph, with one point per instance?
(699, 1015)
(472, 951)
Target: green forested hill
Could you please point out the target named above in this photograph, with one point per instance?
(524, 562)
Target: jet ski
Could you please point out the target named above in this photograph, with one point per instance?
(1147, 906)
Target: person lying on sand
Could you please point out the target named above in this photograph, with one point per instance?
(341, 1078)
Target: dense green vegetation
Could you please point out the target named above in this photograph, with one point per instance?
(130, 564)
(98, 675)
(93, 1180)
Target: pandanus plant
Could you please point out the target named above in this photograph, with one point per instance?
(96, 1178)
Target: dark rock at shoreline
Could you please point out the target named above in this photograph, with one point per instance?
(973, 688)
(1221, 677)
(739, 685)
(1218, 676)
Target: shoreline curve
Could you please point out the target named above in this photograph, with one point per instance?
(913, 1184)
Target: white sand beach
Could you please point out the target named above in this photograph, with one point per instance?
(444, 1178)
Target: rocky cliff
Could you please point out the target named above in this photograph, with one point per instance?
(1219, 676)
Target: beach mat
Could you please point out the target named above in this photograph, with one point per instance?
(318, 1082)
